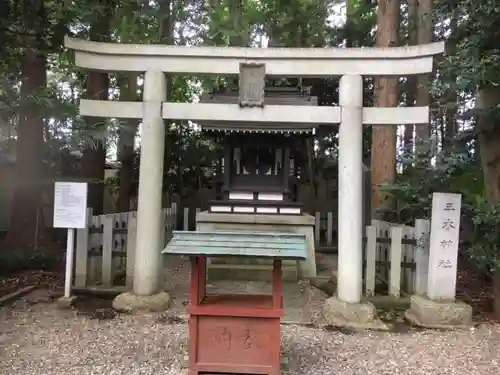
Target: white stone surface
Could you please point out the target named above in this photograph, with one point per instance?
(395, 115)
(232, 112)
(279, 61)
(240, 196)
(276, 114)
(422, 228)
(110, 108)
(445, 227)
(350, 227)
(148, 245)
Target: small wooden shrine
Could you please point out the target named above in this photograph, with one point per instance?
(261, 163)
(235, 333)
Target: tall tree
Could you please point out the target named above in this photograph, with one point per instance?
(25, 224)
(126, 143)
(128, 31)
(383, 154)
(424, 35)
(93, 159)
(411, 82)
(450, 99)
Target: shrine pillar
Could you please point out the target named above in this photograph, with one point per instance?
(346, 308)
(350, 193)
(146, 288)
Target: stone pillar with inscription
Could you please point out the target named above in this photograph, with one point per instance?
(438, 308)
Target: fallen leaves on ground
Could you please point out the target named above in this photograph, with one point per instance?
(474, 290)
(44, 279)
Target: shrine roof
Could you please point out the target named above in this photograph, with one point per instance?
(278, 128)
(249, 244)
(275, 99)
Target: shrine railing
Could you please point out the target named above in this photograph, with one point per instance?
(105, 249)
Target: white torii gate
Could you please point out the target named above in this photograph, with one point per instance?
(350, 63)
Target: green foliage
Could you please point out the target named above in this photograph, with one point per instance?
(477, 57)
(456, 172)
(484, 241)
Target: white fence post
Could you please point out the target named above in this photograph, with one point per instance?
(392, 261)
(329, 229)
(186, 219)
(131, 237)
(82, 253)
(395, 267)
(422, 231)
(371, 255)
(107, 251)
(317, 228)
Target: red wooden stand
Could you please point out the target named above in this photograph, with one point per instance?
(233, 334)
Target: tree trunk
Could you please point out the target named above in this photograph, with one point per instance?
(411, 83)
(451, 97)
(167, 37)
(93, 161)
(488, 129)
(383, 154)
(126, 140)
(27, 203)
(425, 35)
(26, 227)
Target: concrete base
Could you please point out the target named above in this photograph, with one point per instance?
(258, 270)
(352, 315)
(131, 303)
(66, 303)
(427, 313)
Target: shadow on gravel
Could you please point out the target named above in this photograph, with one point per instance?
(95, 308)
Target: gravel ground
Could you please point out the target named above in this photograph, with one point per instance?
(37, 338)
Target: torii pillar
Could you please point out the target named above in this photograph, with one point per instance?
(146, 293)
(346, 307)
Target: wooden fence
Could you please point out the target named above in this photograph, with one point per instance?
(105, 250)
(391, 255)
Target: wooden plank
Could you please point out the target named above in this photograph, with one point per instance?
(240, 252)
(82, 248)
(107, 251)
(277, 237)
(395, 268)
(238, 243)
(131, 242)
(371, 254)
(225, 244)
